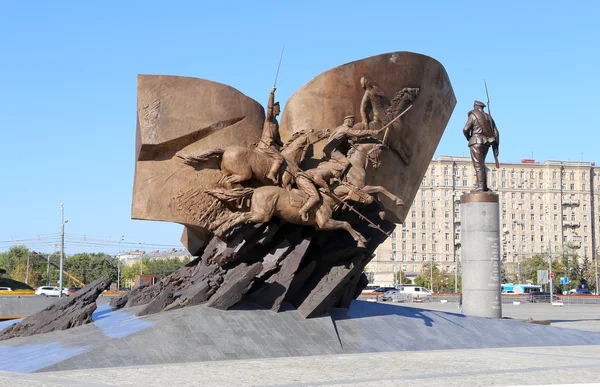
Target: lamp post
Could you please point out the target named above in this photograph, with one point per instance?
(596, 267)
(27, 270)
(431, 274)
(62, 249)
(119, 263)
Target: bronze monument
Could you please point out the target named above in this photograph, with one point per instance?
(245, 186)
(481, 133)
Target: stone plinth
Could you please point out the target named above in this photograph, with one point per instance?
(480, 254)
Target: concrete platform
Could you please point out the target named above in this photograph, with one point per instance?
(204, 334)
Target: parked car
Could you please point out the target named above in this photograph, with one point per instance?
(73, 289)
(50, 291)
(383, 289)
(580, 292)
(387, 296)
(416, 291)
(541, 297)
(5, 289)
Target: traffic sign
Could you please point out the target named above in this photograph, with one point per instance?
(564, 280)
(551, 275)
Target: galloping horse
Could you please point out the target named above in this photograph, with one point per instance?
(354, 180)
(242, 164)
(269, 201)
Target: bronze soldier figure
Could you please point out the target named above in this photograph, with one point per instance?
(270, 137)
(373, 101)
(481, 132)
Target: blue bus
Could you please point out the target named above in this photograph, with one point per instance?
(520, 288)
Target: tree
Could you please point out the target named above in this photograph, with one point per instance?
(401, 278)
(531, 265)
(424, 279)
(88, 267)
(11, 258)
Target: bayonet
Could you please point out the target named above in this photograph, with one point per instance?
(491, 123)
(278, 66)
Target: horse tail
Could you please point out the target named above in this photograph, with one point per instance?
(229, 195)
(202, 156)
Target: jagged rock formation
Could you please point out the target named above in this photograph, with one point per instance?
(66, 313)
(267, 264)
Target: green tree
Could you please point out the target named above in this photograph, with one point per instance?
(424, 279)
(401, 278)
(531, 265)
(11, 258)
(88, 267)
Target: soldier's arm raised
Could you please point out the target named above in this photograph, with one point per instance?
(363, 108)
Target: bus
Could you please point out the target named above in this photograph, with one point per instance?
(520, 288)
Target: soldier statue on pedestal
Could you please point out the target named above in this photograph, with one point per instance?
(481, 132)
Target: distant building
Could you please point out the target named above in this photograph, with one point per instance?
(134, 257)
(554, 203)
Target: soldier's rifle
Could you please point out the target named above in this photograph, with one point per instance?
(293, 164)
(278, 66)
(492, 127)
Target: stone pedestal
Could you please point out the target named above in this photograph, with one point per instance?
(480, 254)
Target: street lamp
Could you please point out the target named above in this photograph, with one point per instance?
(119, 263)
(431, 274)
(62, 249)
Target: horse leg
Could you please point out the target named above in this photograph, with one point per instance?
(332, 224)
(371, 189)
(232, 179)
(253, 216)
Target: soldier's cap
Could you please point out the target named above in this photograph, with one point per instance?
(348, 117)
(478, 103)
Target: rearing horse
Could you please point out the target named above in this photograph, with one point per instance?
(242, 164)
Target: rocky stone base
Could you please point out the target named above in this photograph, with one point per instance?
(67, 312)
(267, 264)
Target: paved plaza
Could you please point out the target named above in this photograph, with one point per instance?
(532, 366)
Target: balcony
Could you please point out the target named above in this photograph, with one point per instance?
(572, 224)
(571, 202)
(457, 242)
(573, 245)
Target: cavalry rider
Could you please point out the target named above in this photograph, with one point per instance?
(270, 137)
(308, 181)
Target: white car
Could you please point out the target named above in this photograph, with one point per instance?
(5, 289)
(50, 291)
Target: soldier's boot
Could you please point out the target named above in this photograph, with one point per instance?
(481, 181)
(272, 174)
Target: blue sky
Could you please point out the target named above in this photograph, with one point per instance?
(69, 68)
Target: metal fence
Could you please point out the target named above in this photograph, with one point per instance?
(523, 299)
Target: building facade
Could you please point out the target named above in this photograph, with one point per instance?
(555, 203)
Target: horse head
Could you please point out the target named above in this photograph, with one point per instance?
(367, 153)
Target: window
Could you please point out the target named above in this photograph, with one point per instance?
(585, 218)
(555, 206)
(446, 171)
(494, 173)
(432, 171)
(393, 246)
(413, 214)
(464, 183)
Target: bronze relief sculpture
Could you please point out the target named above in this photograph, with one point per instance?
(245, 185)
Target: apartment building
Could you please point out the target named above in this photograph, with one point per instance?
(554, 203)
